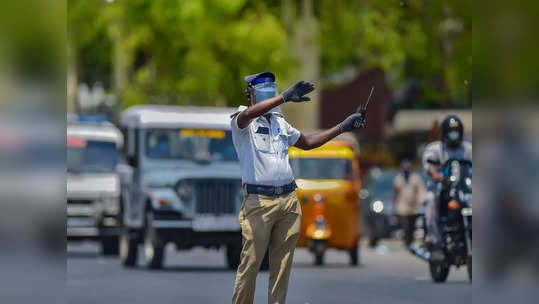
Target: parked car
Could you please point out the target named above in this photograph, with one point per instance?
(93, 183)
(181, 183)
(377, 199)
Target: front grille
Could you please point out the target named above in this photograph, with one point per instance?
(79, 201)
(216, 196)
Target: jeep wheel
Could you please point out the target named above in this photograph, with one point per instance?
(128, 249)
(265, 262)
(153, 245)
(109, 245)
(233, 253)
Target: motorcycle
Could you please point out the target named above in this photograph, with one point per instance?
(455, 218)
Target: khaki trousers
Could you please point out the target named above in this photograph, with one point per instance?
(272, 221)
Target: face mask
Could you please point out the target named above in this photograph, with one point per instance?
(263, 91)
(453, 135)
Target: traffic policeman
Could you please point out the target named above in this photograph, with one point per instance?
(270, 216)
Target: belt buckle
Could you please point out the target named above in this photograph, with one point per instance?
(279, 190)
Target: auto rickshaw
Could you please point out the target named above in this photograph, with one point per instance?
(328, 189)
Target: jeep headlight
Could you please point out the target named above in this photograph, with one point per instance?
(111, 205)
(185, 191)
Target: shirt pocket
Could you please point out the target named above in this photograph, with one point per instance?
(262, 140)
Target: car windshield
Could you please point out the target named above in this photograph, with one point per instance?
(381, 184)
(322, 168)
(91, 156)
(190, 144)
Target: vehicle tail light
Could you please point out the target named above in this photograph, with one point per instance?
(453, 205)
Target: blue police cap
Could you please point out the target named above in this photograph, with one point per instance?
(259, 77)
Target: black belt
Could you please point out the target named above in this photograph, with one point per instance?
(270, 190)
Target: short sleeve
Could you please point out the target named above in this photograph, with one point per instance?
(234, 125)
(430, 155)
(292, 134)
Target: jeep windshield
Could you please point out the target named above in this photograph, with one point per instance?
(91, 156)
(322, 168)
(199, 145)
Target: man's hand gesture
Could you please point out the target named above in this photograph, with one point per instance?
(297, 91)
(355, 121)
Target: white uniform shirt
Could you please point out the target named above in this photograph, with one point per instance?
(409, 194)
(262, 149)
(438, 153)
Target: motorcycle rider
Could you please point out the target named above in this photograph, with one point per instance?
(452, 146)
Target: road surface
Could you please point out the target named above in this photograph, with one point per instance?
(388, 274)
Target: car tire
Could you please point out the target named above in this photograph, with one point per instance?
(154, 245)
(354, 255)
(110, 245)
(233, 255)
(439, 271)
(128, 249)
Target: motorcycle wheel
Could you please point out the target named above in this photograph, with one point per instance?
(438, 271)
(469, 267)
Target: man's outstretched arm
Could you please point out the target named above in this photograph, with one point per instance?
(246, 116)
(311, 141)
(294, 93)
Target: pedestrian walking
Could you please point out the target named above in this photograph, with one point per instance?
(409, 193)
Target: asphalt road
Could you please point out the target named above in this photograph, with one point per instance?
(388, 274)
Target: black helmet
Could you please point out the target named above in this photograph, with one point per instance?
(452, 130)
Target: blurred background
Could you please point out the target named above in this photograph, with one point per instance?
(417, 54)
(133, 61)
(99, 60)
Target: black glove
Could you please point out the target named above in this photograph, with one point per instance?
(296, 91)
(353, 122)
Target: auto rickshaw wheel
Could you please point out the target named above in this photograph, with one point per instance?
(319, 250)
(354, 255)
(373, 241)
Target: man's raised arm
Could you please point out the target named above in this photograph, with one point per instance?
(311, 141)
(295, 93)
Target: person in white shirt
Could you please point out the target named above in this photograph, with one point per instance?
(270, 216)
(408, 196)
